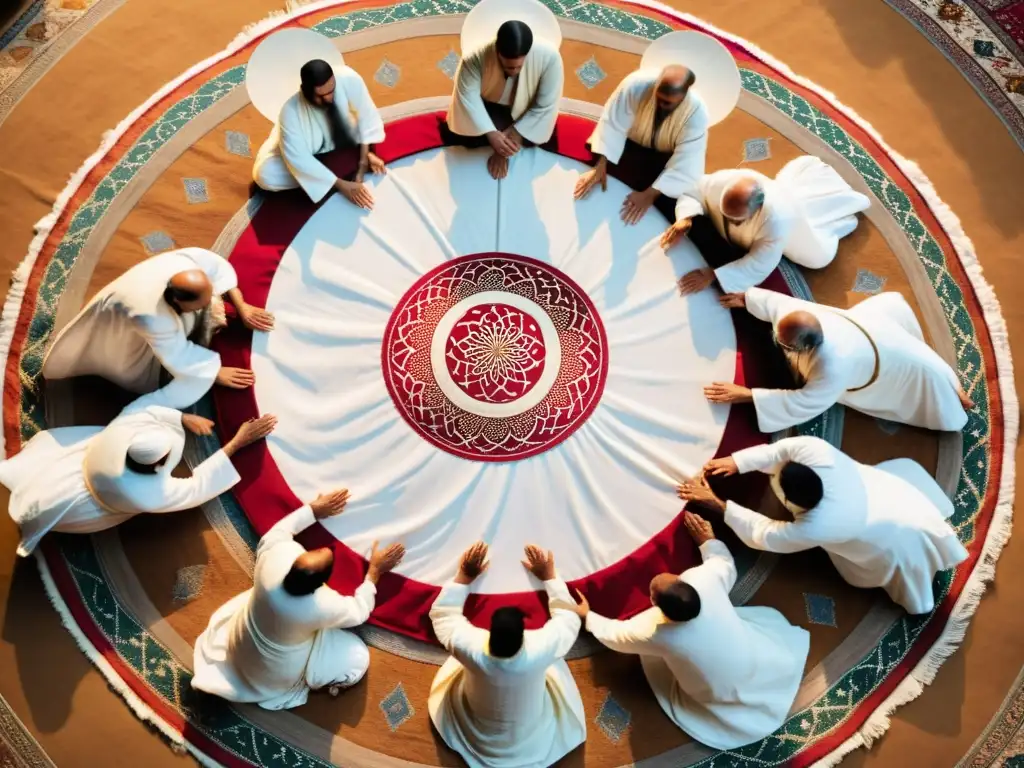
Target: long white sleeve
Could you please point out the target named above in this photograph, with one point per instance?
(538, 122)
(209, 480)
(343, 611)
(629, 636)
(685, 168)
(286, 529)
(779, 409)
(369, 125)
(315, 178)
(760, 532)
(467, 114)
(222, 275)
(557, 636)
(446, 614)
(718, 560)
(811, 451)
(609, 137)
(770, 306)
(754, 267)
(193, 368)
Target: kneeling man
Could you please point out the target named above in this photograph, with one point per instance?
(654, 128)
(802, 214)
(88, 479)
(160, 314)
(287, 635)
(332, 110)
(506, 95)
(506, 697)
(883, 526)
(872, 358)
(726, 676)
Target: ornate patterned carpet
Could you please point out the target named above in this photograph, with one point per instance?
(176, 171)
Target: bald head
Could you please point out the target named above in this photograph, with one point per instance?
(799, 332)
(189, 291)
(673, 85)
(309, 572)
(742, 199)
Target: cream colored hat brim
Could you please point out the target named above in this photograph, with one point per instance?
(272, 75)
(718, 77)
(481, 24)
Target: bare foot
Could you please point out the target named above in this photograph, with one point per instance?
(965, 401)
(497, 166)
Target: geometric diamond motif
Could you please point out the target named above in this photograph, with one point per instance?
(396, 708)
(755, 150)
(157, 242)
(613, 719)
(590, 73)
(188, 583)
(195, 191)
(820, 609)
(387, 74)
(868, 282)
(984, 48)
(889, 427)
(237, 143)
(449, 64)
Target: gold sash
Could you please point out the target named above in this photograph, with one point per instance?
(99, 502)
(874, 348)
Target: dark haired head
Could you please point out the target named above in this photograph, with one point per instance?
(514, 40)
(507, 627)
(801, 485)
(309, 572)
(676, 599)
(318, 88)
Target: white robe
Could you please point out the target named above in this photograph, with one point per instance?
(287, 159)
(882, 526)
(728, 677)
(128, 332)
(536, 99)
(271, 648)
(522, 711)
(807, 209)
(914, 386)
(50, 478)
(685, 167)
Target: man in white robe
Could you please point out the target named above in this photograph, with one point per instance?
(332, 110)
(506, 697)
(882, 526)
(872, 358)
(506, 95)
(654, 130)
(801, 214)
(144, 322)
(88, 479)
(726, 676)
(288, 635)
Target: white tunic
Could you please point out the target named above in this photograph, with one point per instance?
(287, 158)
(535, 103)
(50, 478)
(127, 332)
(686, 165)
(914, 386)
(271, 648)
(882, 526)
(807, 209)
(727, 677)
(523, 711)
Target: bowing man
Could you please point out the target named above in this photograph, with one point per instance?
(161, 313)
(505, 697)
(654, 128)
(726, 676)
(882, 526)
(872, 358)
(802, 213)
(88, 479)
(506, 95)
(332, 110)
(288, 635)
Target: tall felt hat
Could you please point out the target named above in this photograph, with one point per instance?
(272, 75)
(481, 24)
(718, 77)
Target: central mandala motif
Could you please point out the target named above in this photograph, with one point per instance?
(495, 353)
(495, 357)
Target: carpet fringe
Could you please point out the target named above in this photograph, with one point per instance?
(141, 710)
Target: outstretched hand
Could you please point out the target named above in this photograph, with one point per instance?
(474, 562)
(540, 563)
(256, 318)
(329, 504)
(384, 560)
(721, 392)
(698, 491)
(723, 467)
(699, 529)
(197, 425)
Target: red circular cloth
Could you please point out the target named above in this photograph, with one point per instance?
(620, 590)
(474, 403)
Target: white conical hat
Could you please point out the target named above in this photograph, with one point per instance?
(718, 77)
(272, 75)
(481, 24)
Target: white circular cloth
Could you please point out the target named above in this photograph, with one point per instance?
(594, 498)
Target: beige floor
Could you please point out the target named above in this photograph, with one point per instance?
(865, 53)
